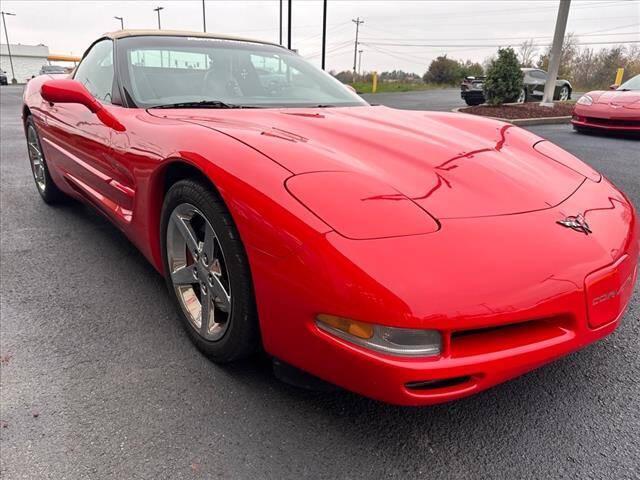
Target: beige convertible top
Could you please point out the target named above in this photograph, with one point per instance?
(180, 33)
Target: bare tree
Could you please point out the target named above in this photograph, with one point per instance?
(570, 50)
(527, 53)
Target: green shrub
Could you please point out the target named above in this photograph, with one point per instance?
(504, 78)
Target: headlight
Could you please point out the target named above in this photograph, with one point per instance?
(405, 342)
(585, 100)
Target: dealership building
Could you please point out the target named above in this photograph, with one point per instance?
(29, 59)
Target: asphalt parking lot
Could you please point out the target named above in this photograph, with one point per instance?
(98, 379)
(443, 99)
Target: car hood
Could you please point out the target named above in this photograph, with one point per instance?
(615, 97)
(451, 165)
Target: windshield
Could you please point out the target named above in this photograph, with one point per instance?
(631, 84)
(158, 71)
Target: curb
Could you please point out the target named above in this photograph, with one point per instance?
(523, 121)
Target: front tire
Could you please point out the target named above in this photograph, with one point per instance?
(207, 272)
(48, 190)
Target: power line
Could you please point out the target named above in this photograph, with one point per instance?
(528, 37)
(550, 8)
(488, 45)
(333, 48)
(475, 23)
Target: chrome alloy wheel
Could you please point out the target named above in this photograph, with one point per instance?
(564, 94)
(36, 158)
(198, 271)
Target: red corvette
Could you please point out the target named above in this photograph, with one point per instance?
(411, 257)
(613, 110)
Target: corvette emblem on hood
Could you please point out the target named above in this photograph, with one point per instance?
(577, 223)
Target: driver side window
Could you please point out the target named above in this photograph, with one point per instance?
(539, 74)
(96, 72)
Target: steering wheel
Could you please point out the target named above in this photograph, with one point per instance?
(218, 87)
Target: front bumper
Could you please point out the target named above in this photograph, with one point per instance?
(510, 295)
(603, 117)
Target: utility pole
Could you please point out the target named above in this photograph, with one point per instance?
(360, 62)
(6, 34)
(204, 19)
(289, 26)
(157, 9)
(556, 53)
(280, 22)
(357, 21)
(324, 31)
(121, 22)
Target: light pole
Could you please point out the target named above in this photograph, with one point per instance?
(289, 25)
(360, 62)
(556, 53)
(121, 22)
(157, 10)
(204, 19)
(4, 24)
(324, 31)
(280, 22)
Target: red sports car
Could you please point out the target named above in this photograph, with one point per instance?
(617, 109)
(413, 257)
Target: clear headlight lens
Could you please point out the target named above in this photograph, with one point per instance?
(390, 340)
(585, 100)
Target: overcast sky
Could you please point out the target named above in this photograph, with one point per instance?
(396, 34)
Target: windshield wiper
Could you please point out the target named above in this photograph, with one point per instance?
(200, 104)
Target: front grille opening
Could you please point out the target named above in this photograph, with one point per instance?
(613, 122)
(478, 341)
(437, 384)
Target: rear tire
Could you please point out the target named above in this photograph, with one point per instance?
(564, 93)
(220, 288)
(47, 189)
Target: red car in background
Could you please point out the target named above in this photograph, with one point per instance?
(413, 257)
(613, 110)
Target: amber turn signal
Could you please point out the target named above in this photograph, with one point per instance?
(352, 327)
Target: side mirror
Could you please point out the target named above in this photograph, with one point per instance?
(614, 86)
(71, 91)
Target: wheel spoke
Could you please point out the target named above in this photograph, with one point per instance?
(34, 150)
(206, 313)
(223, 299)
(208, 248)
(186, 231)
(184, 275)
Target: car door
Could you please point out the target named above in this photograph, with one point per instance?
(537, 80)
(74, 139)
